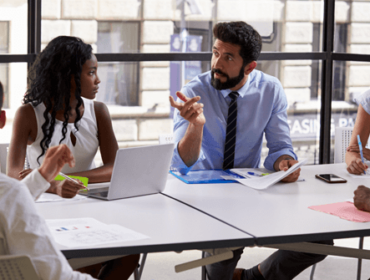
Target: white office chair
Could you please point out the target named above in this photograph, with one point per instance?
(17, 268)
(4, 149)
(341, 142)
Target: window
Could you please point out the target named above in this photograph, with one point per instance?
(136, 85)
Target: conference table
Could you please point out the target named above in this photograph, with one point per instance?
(279, 214)
(205, 216)
(169, 224)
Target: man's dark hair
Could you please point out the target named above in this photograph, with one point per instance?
(242, 34)
(49, 82)
(1, 95)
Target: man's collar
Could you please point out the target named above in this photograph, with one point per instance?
(242, 91)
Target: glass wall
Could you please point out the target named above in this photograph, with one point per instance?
(136, 88)
(350, 78)
(165, 25)
(13, 77)
(352, 26)
(301, 83)
(13, 26)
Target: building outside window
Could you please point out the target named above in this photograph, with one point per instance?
(136, 92)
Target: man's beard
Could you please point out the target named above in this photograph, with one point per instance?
(230, 82)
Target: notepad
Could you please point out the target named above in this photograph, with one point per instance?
(344, 210)
(206, 176)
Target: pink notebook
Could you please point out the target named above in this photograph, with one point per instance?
(345, 210)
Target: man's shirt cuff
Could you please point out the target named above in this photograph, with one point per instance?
(270, 160)
(36, 184)
(178, 163)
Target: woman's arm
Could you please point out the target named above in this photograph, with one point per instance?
(107, 144)
(362, 128)
(24, 132)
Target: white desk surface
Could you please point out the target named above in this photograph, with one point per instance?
(279, 214)
(171, 225)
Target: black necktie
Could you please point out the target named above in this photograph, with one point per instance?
(230, 132)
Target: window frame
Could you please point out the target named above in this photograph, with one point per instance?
(327, 56)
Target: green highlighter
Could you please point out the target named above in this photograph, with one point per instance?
(84, 180)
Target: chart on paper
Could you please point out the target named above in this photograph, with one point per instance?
(89, 232)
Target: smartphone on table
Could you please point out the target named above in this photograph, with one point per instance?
(331, 178)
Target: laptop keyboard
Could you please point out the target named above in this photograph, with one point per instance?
(102, 192)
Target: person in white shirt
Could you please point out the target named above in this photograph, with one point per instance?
(22, 230)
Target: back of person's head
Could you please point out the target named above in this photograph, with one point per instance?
(242, 34)
(49, 81)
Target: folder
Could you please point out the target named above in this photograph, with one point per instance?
(206, 176)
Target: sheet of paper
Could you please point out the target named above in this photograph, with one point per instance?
(261, 183)
(345, 210)
(50, 197)
(362, 176)
(84, 232)
(244, 172)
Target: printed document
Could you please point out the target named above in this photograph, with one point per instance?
(50, 197)
(263, 182)
(85, 232)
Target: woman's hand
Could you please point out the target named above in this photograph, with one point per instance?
(24, 173)
(357, 167)
(67, 188)
(355, 149)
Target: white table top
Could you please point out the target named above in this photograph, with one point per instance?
(280, 213)
(171, 225)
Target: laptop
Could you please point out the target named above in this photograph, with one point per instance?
(137, 171)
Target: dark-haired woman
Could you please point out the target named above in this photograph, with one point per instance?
(58, 108)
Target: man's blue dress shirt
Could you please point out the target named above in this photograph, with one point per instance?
(262, 108)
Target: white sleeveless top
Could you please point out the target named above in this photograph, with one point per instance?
(87, 142)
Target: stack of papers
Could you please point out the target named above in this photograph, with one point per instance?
(263, 182)
(84, 232)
